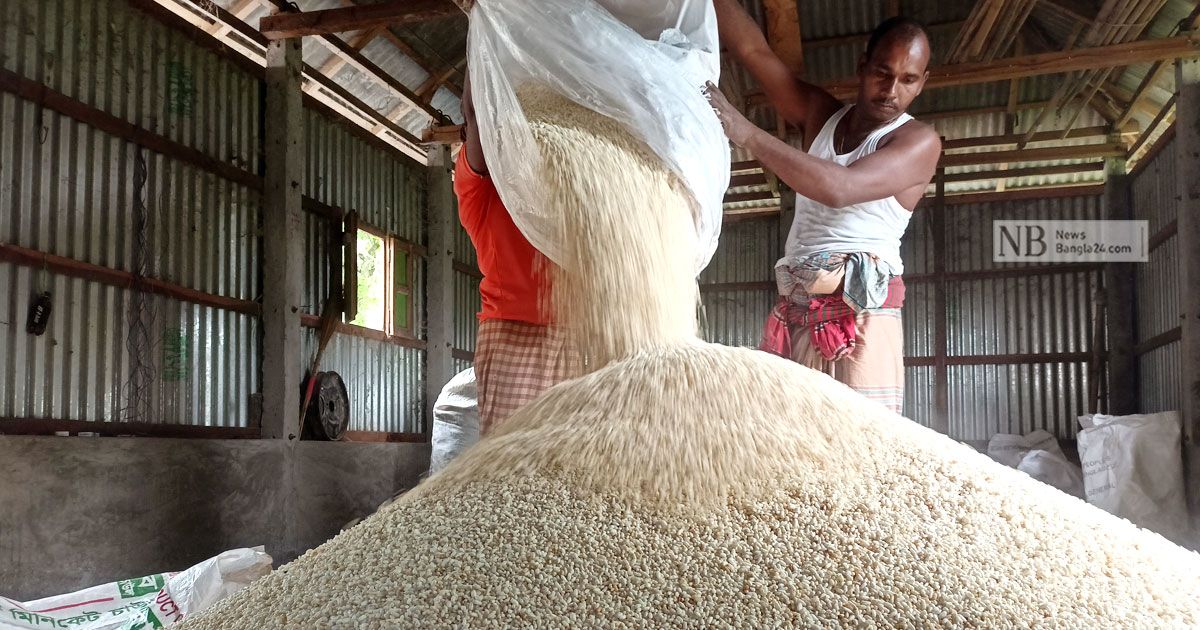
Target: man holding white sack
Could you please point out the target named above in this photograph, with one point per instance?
(858, 171)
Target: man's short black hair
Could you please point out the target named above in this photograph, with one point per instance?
(898, 26)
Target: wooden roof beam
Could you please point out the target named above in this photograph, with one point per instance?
(1142, 51)
(359, 17)
(335, 62)
(1077, 152)
(1154, 73)
(364, 65)
(1042, 136)
(862, 38)
(783, 32)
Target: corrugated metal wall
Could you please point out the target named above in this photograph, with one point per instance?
(344, 170)
(734, 308)
(68, 189)
(467, 302)
(1016, 315)
(1156, 198)
(988, 316)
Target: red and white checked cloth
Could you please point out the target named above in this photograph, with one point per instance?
(514, 363)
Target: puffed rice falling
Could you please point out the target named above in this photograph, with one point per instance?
(681, 483)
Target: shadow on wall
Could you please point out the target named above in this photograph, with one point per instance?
(82, 511)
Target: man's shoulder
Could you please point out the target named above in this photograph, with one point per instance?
(916, 134)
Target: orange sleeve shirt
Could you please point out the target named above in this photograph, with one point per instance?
(512, 286)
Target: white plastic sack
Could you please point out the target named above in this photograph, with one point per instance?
(1054, 469)
(1009, 449)
(640, 63)
(1132, 467)
(153, 601)
(455, 420)
(1039, 456)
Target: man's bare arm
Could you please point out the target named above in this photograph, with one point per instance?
(471, 143)
(908, 161)
(800, 103)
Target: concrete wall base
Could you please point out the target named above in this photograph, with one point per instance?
(79, 511)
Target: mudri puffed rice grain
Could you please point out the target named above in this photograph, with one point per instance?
(680, 483)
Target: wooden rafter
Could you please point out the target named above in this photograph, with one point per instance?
(1118, 21)
(1179, 47)
(335, 63)
(783, 32)
(359, 17)
(1031, 171)
(367, 67)
(1075, 11)
(408, 51)
(1094, 133)
(241, 9)
(935, 28)
(430, 87)
(1074, 152)
(990, 30)
(1155, 72)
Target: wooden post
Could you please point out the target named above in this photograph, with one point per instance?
(439, 283)
(1187, 147)
(941, 386)
(283, 241)
(1120, 305)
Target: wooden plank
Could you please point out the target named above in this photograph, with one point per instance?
(936, 28)
(56, 101)
(1032, 192)
(783, 32)
(1002, 359)
(70, 267)
(442, 225)
(283, 248)
(359, 17)
(1120, 311)
(1155, 73)
(469, 270)
(382, 436)
(361, 63)
(941, 382)
(1158, 341)
(1162, 114)
(367, 67)
(1101, 131)
(198, 36)
(458, 354)
(751, 179)
(1187, 156)
(442, 134)
(1164, 235)
(1032, 171)
(718, 287)
(1007, 272)
(313, 321)
(765, 195)
(746, 214)
(1159, 145)
(325, 83)
(1115, 55)
(49, 426)
(1076, 152)
(335, 63)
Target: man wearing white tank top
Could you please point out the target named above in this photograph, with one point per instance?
(858, 172)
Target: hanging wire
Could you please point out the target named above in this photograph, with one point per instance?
(138, 388)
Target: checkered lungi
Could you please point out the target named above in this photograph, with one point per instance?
(875, 368)
(514, 363)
